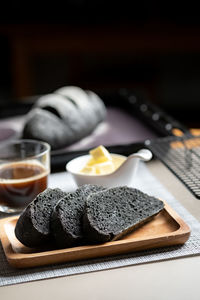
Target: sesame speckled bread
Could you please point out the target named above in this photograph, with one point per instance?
(66, 219)
(112, 213)
(33, 226)
(92, 214)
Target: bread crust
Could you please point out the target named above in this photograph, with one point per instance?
(29, 228)
(113, 213)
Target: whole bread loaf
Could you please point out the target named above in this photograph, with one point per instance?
(33, 226)
(86, 106)
(64, 117)
(112, 213)
(43, 125)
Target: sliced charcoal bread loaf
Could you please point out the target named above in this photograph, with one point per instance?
(33, 226)
(112, 213)
(66, 219)
(88, 189)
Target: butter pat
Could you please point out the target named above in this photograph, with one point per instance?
(101, 162)
(88, 170)
(104, 168)
(99, 155)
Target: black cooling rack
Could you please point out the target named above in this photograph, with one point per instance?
(182, 156)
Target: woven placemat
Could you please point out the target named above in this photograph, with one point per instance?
(149, 184)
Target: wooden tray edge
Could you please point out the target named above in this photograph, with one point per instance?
(25, 260)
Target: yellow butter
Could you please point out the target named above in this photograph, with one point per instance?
(104, 168)
(88, 170)
(99, 155)
(102, 162)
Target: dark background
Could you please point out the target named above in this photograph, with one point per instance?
(102, 45)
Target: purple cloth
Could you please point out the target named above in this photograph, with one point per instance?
(119, 128)
(6, 133)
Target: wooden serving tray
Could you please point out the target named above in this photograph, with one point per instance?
(166, 229)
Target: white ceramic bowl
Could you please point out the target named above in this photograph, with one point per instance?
(124, 175)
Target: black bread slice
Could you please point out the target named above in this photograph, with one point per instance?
(33, 226)
(112, 213)
(66, 219)
(88, 189)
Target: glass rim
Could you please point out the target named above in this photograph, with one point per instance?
(19, 141)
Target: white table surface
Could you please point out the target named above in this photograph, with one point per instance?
(172, 279)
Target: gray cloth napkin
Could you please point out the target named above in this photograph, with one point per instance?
(147, 183)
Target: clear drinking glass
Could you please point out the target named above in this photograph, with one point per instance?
(24, 170)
